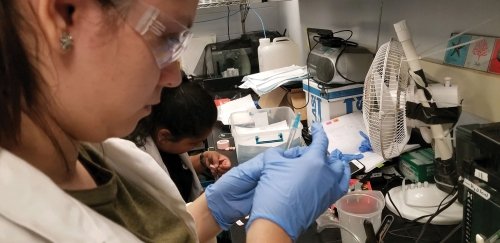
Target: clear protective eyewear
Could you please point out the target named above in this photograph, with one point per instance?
(166, 37)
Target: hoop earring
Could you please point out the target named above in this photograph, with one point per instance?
(66, 41)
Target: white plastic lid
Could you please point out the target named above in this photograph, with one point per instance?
(264, 41)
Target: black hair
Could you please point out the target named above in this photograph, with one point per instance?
(20, 86)
(187, 111)
(21, 83)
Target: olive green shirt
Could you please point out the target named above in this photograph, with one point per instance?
(126, 205)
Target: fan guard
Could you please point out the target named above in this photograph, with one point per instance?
(386, 88)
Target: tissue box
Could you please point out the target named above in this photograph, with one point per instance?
(327, 103)
(257, 130)
(418, 165)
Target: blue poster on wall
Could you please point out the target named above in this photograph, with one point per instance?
(457, 56)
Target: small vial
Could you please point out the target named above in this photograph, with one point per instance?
(447, 81)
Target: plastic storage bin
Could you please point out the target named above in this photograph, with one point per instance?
(257, 130)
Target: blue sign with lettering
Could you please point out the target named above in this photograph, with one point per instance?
(350, 104)
(316, 108)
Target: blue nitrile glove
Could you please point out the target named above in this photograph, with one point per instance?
(299, 184)
(336, 154)
(231, 197)
(365, 144)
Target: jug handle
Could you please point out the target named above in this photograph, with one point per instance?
(278, 39)
(334, 221)
(369, 231)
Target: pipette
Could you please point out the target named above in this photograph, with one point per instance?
(293, 130)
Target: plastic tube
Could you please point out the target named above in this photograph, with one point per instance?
(293, 130)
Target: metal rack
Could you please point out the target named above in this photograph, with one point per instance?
(244, 7)
(221, 3)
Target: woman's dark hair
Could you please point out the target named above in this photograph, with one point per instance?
(187, 111)
(20, 81)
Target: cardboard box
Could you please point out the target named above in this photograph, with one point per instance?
(326, 103)
(279, 97)
(418, 165)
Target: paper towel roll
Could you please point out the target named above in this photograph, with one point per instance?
(444, 96)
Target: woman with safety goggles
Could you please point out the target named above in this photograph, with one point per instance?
(74, 75)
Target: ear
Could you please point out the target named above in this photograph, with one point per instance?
(163, 136)
(55, 18)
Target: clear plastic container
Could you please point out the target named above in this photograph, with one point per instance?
(356, 207)
(257, 130)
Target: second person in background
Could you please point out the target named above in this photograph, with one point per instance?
(183, 120)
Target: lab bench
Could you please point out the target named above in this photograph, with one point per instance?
(400, 231)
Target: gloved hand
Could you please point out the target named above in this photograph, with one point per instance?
(299, 184)
(231, 197)
(336, 154)
(365, 144)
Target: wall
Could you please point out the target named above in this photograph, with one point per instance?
(268, 12)
(430, 21)
(479, 90)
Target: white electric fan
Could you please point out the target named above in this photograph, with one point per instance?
(392, 81)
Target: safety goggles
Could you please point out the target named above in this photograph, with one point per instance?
(166, 37)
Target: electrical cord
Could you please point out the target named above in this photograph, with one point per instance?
(343, 44)
(308, 76)
(438, 212)
(318, 39)
(448, 204)
(394, 205)
(424, 227)
(205, 69)
(452, 232)
(394, 232)
(384, 188)
(432, 216)
(441, 207)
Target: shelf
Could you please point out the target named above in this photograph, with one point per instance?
(244, 7)
(220, 3)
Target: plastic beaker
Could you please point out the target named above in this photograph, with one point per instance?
(356, 207)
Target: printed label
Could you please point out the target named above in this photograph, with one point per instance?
(481, 175)
(478, 190)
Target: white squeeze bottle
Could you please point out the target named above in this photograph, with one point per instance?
(282, 52)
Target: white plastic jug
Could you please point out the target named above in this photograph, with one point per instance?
(282, 52)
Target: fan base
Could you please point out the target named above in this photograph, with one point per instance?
(452, 215)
